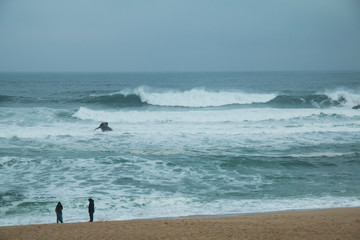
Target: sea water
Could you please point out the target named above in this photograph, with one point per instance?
(182, 144)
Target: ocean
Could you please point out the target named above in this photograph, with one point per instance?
(182, 144)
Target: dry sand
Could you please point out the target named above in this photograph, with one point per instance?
(319, 224)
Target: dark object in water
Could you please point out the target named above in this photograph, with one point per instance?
(356, 107)
(104, 127)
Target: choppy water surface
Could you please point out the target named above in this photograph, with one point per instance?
(183, 144)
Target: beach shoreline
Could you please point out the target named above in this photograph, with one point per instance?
(336, 223)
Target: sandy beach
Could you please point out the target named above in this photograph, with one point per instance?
(317, 224)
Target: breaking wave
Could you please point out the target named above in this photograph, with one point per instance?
(204, 98)
(116, 100)
(201, 98)
(307, 101)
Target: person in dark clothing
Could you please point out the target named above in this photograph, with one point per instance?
(58, 211)
(91, 209)
(104, 126)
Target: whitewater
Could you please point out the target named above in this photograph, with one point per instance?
(182, 144)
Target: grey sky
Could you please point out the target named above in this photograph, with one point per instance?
(179, 35)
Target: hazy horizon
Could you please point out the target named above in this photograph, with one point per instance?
(179, 71)
(179, 36)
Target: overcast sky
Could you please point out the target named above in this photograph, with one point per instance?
(179, 35)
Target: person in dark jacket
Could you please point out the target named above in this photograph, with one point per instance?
(58, 211)
(104, 126)
(91, 209)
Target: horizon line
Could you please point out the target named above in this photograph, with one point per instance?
(182, 71)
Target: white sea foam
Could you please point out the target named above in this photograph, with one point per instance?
(207, 116)
(351, 97)
(43, 122)
(176, 161)
(156, 205)
(200, 97)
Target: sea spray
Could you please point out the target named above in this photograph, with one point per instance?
(200, 98)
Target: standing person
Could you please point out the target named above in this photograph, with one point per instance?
(91, 209)
(58, 211)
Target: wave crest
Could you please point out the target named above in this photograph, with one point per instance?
(200, 98)
(116, 100)
(142, 96)
(196, 97)
(307, 101)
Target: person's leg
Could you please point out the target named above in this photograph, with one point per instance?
(60, 218)
(91, 216)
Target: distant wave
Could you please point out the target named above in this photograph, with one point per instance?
(201, 98)
(306, 101)
(5, 98)
(18, 99)
(116, 100)
(349, 98)
(189, 98)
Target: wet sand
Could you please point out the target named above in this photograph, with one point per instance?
(328, 224)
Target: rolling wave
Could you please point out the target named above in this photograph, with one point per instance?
(306, 101)
(200, 98)
(203, 98)
(14, 99)
(191, 98)
(116, 100)
(4, 98)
